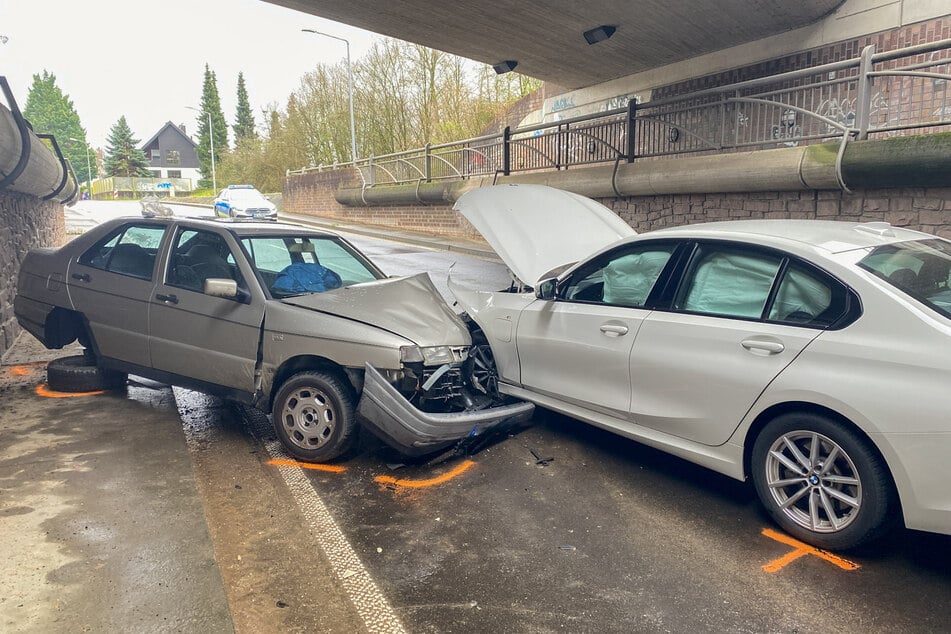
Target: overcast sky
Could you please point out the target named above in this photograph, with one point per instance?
(146, 59)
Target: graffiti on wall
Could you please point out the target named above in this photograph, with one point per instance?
(842, 109)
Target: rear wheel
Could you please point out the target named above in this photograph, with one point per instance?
(821, 482)
(79, 373)
(314, 416)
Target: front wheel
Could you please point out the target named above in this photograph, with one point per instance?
(314, 416)
(821, 482)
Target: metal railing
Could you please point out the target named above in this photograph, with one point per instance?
(876, 94)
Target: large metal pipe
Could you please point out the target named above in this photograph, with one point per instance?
(43, 175)
(915, 161)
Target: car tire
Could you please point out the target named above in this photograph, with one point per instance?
(79, 373)
(839, 505)
(314, 416)
(482, 371)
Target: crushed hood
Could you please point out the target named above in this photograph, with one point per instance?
(535, 228)
(410, 307)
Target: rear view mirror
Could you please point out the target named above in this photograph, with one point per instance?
(545, 289)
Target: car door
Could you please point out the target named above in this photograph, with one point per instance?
(111, 284)
(202, 337)
(222, 208)
(577, 348)
(741, 315)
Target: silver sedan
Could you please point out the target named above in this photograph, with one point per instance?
(808, 356)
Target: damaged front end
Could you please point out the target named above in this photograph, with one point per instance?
(416, 431)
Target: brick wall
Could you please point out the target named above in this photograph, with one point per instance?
(925, 32)
(25, 222)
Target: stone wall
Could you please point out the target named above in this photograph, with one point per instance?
(926, 210)
(923, 209)
(313, 194)
(26, 222)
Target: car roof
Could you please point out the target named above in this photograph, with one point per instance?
(244, 227)
(238, 226)
(827, 235)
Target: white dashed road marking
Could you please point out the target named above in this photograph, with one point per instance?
(363, 592)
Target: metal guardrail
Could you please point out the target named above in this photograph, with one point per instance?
(876, 94)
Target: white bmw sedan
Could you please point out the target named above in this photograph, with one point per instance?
(812, 357)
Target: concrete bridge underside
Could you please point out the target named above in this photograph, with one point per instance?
(546, 37)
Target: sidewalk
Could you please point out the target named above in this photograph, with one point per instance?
(101, 524)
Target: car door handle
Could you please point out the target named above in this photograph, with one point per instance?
(82, 277)
(771, 347)
(614, 330)
(168, 299)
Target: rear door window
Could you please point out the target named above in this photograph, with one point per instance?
(129, 250)
(728, 281)
(744, 282)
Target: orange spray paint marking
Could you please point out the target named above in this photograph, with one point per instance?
(422, 484)
(20, 370)
(42, 390)
(331, 468)
(802, 550)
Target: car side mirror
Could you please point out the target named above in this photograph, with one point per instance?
(221, 287)
(545, 289)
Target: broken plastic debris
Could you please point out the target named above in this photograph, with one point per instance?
(566, 547)
(348, 573)
(539, 460)
(281, 604)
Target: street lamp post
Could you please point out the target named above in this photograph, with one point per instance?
(353, 129)
(88, 165)
(211, 141)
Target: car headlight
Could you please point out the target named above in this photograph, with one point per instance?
(434, 355)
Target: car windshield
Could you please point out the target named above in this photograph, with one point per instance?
(920, 268)
(297, 264)
(246, 194)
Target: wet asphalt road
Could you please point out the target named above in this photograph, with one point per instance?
(556, 527)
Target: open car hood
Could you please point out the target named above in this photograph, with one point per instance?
(410, 307)
(535, 228)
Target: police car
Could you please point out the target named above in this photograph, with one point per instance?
(244, 201)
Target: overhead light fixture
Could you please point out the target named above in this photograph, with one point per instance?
(599, 33)
(506, 66)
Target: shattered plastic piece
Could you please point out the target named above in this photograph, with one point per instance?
(348, 573)
(566, 547)
(542, 462)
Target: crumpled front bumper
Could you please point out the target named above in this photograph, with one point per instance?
(414, 432)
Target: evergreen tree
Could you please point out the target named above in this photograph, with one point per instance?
(52, 112)
(244, 119)
(211, 103)
(123, 155)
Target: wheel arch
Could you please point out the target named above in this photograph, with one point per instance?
(788, 407)
(309, 362)
(64, 326)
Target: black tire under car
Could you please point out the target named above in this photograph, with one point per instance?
(79, 374)
(314, 416)
(812, 473)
